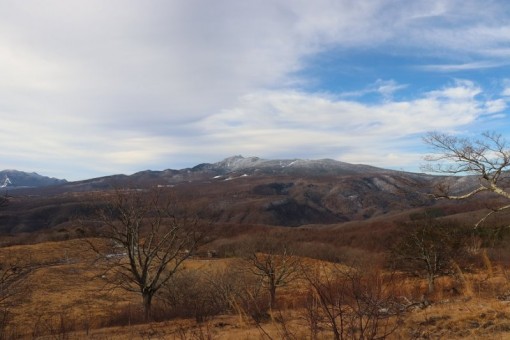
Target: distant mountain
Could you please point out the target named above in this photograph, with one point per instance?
(255, 165)
(225, 170)
(14, 179)
(228, 169)
(244, 190)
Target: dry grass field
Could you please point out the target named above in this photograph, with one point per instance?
(65, 297)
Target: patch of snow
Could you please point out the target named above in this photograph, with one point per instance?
(6, 182)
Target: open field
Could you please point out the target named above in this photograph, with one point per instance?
(66, 297)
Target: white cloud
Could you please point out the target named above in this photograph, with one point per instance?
(274, 122)
(506, 87)
(495, 106)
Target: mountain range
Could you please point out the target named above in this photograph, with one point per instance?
(227, 169)
(243, 190)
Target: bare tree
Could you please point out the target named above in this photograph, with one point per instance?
(275, 270)
(428, 249)
(268, 257)
(487, 157)
(150, 237)
(14, 270)
(352, 303)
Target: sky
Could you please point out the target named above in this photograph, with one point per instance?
(93, 88)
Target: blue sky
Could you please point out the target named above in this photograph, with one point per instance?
(93, 88)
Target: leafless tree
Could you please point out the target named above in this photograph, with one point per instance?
(275, 269)
(14, 271)
(352, 303)
(149, 236)
(487, 157)
(428, 249)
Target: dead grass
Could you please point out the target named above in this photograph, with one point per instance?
(463, 318)
(65, 290)
(66, 296)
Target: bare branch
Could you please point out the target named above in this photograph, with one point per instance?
(490, 213)
(445, 194)
(155, 240)
(488, 158)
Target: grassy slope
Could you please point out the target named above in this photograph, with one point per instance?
(66, 295)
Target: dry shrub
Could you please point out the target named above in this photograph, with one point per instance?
(242, 292)
(57, 326)
(202, 294)
(191, 293)
(351, 303)
(126, 315)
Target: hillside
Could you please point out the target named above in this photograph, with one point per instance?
(244, 191)
(66, 298)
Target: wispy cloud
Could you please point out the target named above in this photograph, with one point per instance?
(272, 123)
(385, 88)
(465, 66)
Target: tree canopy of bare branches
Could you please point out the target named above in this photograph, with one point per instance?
(352, 303)
(487, 157)
(150, 236)
(14, 271)
(275, 270)
(428, 248)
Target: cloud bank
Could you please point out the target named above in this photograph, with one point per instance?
(90, 88)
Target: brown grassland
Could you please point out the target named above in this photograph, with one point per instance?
(65, 297)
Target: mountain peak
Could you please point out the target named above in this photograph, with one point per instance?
(238, 162)
(20, 179)
(287, 166)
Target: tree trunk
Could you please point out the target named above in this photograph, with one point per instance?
(147, 301)
(272, 296)
(431, 281)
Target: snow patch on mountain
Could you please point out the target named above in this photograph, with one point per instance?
(256, 164)
(6, 182)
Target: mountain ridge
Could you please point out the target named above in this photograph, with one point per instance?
(15, 179)
(246, 190)
(238, 163)
(231, 165)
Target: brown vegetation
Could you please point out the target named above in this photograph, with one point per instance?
(367, 257)
(221, 298)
